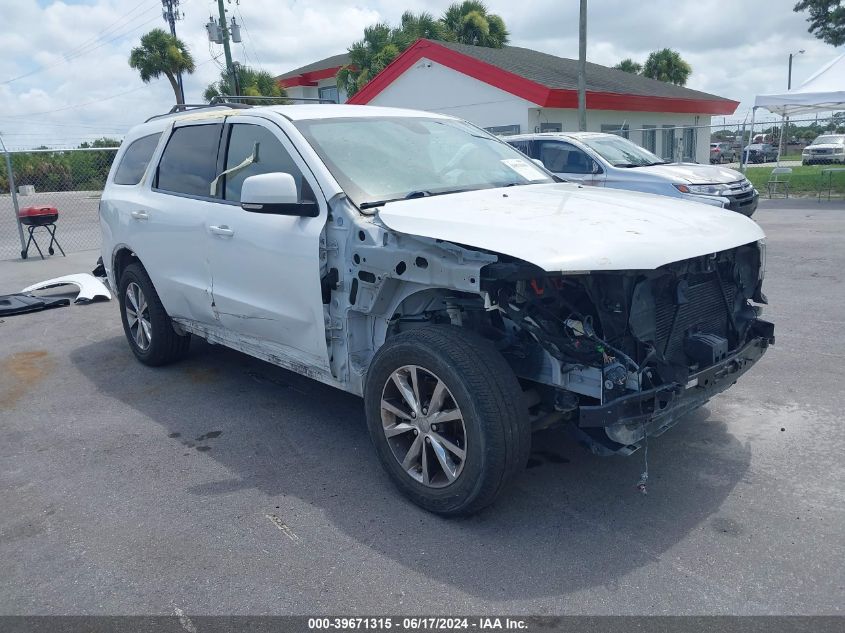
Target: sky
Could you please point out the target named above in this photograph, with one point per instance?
(65, 78)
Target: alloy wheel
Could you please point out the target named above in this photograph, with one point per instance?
(424, 426)
(138, 316)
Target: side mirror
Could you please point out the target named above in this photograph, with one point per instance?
(275, 193)
(537, 161)
(596, 169)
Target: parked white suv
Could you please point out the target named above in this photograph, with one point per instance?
(827, 148)
(417, 261)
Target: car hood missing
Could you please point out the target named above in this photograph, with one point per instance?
(571, 228)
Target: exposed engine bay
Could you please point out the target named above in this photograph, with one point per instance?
(623, 354)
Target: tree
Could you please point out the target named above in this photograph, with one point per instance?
(467, 22)
(629, 66)
(369, 56)
(418, 26)
(667, 65)
(470, 22)
(162, 54)
(254, 83)
(827, 19)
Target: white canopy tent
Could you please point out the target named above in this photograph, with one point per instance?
(822, 92)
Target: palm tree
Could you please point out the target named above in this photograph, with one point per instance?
(254, 83)
(416, 26)
(470, 22)
(628, 65)
(369, 56)
(667, 65)
(160, 53)
(467, 22)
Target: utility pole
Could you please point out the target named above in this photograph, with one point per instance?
(170, 12)
(784, 128)
(224, 31)
(582, 68)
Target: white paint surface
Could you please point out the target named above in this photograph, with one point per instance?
(566, 227)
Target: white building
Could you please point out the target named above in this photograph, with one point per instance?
(317, 80)
(511, 90)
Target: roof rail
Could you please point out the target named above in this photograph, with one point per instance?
(184, 107)
(232, 101)
(236, 99)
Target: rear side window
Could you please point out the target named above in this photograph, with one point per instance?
(244, 139)
(135, 160)
(189, 162)
(564, 158)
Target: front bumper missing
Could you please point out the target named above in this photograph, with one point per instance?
(628, 419)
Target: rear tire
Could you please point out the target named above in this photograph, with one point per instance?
(488, 439)
(146, 324)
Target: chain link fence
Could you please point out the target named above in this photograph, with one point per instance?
(692, 143)
(71, 180)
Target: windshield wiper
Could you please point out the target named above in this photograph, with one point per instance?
(409, 196)
(658, 162)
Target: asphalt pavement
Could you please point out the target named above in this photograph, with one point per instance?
(224, 485)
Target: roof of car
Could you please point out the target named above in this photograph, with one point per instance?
(296, 112)
(300, 112)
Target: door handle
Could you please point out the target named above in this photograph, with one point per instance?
(140, 215)
(222, 230)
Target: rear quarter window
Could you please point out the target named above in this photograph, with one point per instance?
(133, 163)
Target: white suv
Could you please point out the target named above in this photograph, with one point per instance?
(417, 261)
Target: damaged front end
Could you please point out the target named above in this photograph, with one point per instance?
(626, 354)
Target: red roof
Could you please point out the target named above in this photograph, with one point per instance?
(547, 80)
(309, 75)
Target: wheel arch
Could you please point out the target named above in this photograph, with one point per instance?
(122, 256)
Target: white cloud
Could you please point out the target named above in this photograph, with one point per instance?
(736, 49)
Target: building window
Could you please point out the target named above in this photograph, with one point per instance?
(668, 143)
(503, 130)
(615, 128)
(328, 94)
(689, 144)
(551, 127)
(650, 138)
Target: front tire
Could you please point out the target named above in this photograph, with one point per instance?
(146, 324)
(447, 417)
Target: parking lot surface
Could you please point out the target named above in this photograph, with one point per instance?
(223, 485)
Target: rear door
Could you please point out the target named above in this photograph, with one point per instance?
(172, 229)
(569, 162)
(265, 268)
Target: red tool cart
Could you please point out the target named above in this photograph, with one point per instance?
(34, 218)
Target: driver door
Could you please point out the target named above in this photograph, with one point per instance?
(265, 273)
(569, 162)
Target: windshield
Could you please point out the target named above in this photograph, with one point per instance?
(829, 139)
(380, 159)
(620, 152)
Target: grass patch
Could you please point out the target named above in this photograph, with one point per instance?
(805, 179)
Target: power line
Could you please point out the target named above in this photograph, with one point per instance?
(80, 105)
(113, 26)
(79, 54)
(86, 103)
(249, 37)
(115, 126)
